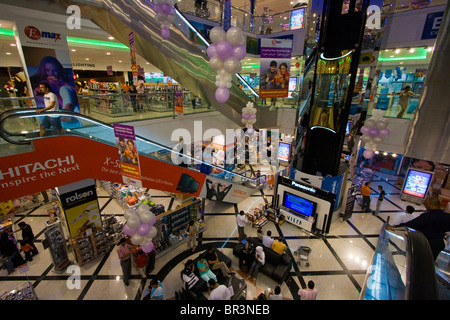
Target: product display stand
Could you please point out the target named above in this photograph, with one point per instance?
(256, 216)
(172, 225)
(89, 246)
(57, 244)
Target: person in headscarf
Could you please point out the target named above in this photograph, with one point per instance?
(260, 259)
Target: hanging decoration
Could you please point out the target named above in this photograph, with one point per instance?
(249, 116)
(140, 227)
(374, 131)
(225, 53)
(165, 13)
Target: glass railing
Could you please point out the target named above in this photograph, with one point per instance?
(240, 17)
(22, 126)
(402, 267)
(392, 109)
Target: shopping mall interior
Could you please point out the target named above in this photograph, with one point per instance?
(324, 154)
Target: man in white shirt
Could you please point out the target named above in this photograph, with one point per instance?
(267, 241)
(241, 221)
(410, 215)
(218, 292)
(51, 104)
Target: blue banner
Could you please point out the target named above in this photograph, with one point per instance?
(432, 25)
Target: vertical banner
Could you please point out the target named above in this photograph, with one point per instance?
(133, 57)
(80, 205)
(46, 59)
(226, 15)
(109, 71)
(275, 64)
(179, 102)
(128, 154)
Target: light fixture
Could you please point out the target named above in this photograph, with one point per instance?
(385, 153)
(108, 53)
(120, 61)
(377, 152)
(8, 53)
(73, 50)
(412, 50)
(394, 155)
(430, 49)
(397, 51)
(13, 45)
(87, 59)
(111, 38)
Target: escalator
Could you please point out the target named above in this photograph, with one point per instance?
(179, 57)
(30, 163)
(402, 268)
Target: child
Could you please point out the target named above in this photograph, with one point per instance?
(141, 262)
(26, 248)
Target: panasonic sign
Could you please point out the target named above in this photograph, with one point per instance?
(298, 185)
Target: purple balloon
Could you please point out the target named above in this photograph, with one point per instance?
(165, 8)
(128, 231)
(253, 116)
(384, 132)
(224, 50)
(211, 51)
(373, 132)
(368, 154)
(172, 11)
(143, 229)
(148, 247)
(246, 116)
(153, 221)
(165, 33)
(239, 51)
(222, 94)
(364, 130)
(157, 8)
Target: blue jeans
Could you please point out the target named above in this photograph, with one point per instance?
(254, 269)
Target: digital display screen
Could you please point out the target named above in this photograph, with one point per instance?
(297, 18)
(284, 150)
(292, 83)
(417, 183)
(299, 205)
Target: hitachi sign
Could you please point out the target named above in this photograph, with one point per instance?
(298, 185)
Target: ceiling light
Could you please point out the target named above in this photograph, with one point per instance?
(411, 50)
(120, 61)
(430, 49)
(394, 155)
(108, 53)
(12, 44)
(111, 38)
(87, 59)
(385, 153)
(73, 50)
(377, 152)
(397, 51)
(8, 53)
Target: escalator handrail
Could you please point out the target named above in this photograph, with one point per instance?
(26, 112)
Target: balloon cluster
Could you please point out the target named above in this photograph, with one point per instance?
(140, 227)
(165, 13)
(225, 53)
(249, 116)
(374, 131)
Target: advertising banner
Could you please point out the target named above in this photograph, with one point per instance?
(178, 102)
(226, 15)
(80, 205)
(45, 55)
(127, 154)
(432, 25)
(60, 160)
(220, 190)
(275, 64)
(134, 70)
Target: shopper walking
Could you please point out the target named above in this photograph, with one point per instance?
(380, 200)
(310, 293)
(260, 259)
(51, 104)
(124, 252)
(403, 100)
(365, 191)
(28, 236)
(241, 221)
(191, 238)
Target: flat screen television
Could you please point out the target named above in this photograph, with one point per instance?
(417, 183)
(298, 205)
(297, 19)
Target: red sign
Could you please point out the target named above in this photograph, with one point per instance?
(60, 160)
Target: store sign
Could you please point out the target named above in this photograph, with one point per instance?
(432, 25)
(300, 186)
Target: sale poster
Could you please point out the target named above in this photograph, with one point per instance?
(128, 154)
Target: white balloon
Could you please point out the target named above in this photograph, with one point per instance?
(216, 64)
(378, 140)
(137, 239)
(152, 233)
(228, 85)
(217, 34)
(143, 208)
(128, 213)
(234, 36)
(170, 18)
(382, 124)
(369, 123)
(147, 217)
(232, 65)
(161, 17)
(134, 221)
(171, 2)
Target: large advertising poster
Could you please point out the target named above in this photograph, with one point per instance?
(60, 160)
(275, 65)
(80, 205)
(297, 19)
(128, 154)
(221, 190)
(179, 102)
(417, 183)
(45, 53)
(134, 70)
